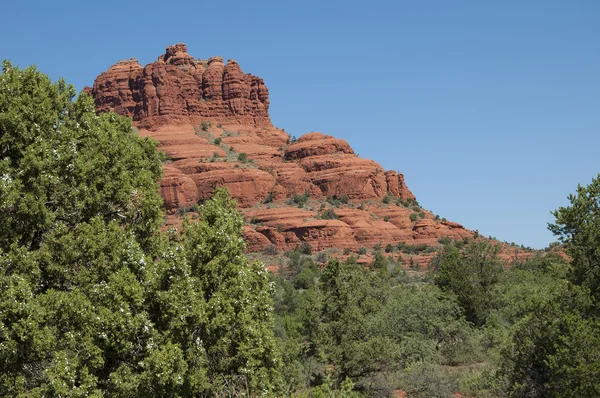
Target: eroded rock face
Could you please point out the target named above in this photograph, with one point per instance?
(286, 227)
(212, 121)
(177, 86)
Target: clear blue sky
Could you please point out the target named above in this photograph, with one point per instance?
(490, 108)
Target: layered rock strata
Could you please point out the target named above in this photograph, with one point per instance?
(212, 121)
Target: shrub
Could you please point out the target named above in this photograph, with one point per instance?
(379, 262)
(413, 264)
(269, 198)
(321, 257)
(424, 379)
(271, 250)
(300, 200)
(205, 126)
(389, 248)
(411, 249)
(218, 141)
(332, 201)
(386, 218)
(305, 279)
(242, 157)
(329, 214)
(430, 249)
(362, 250)
(344, 199)
(305, 248)
(386, 199)
(445, 240)
(414, 217)
(347, 251)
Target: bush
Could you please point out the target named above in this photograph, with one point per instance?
(204, 126)
(389, 248)
(305, 279)
(414, 217)
(329, 214)
(386, 218)
(362, 250)
(218, 141)
(379, 262)
(321, 257)
(445, 240)
(242, 157)
(305, 248)
(400, 202)
(269, 198)
(271, 250)
(301, 200)
(344, 199)
(412, 249)
(425, 380)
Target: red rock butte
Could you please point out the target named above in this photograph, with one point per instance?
(212, 120)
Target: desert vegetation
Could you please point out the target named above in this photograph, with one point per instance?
(97, 300)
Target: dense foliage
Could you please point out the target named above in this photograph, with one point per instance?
(96, 301)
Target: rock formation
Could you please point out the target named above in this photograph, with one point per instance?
(212, 121)
(177, 85)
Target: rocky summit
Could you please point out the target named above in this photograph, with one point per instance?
(212, 121)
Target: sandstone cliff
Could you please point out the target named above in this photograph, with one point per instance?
(212, 121)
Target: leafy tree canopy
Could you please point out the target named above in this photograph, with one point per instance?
(94, 300)
(62, 163)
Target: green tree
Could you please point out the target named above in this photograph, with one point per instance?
(471, 275)
(578, 227)
(555, 348)
(94, 300)
(352, 296)
(238, 336)
(62, 163)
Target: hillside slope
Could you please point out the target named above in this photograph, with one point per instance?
(212, 121)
